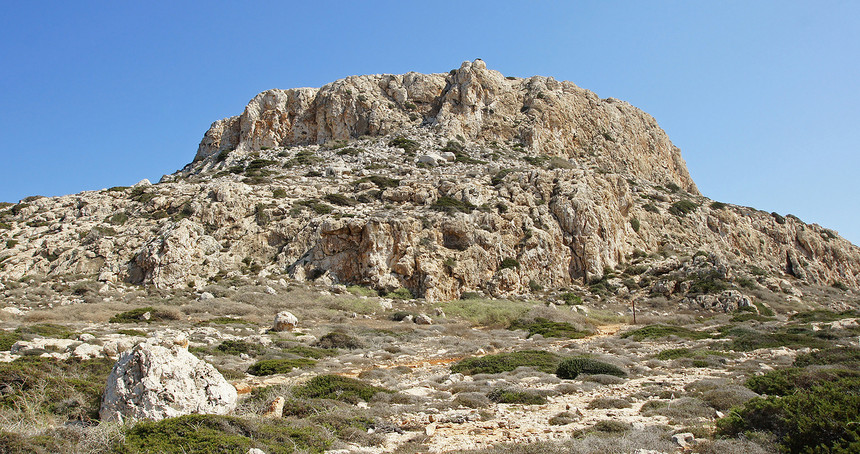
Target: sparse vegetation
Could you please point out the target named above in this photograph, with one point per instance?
(548, 328)
(338, 388)
(570, 368)
(503, 362)
(451, 205)
(658, 331)
(279, 366)
(683, 207)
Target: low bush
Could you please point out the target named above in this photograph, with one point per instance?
(279, 366)
(659, 331)
(504, 362)
(238, 347)
(820, 419)
(407, 145)
(380, 181)
(401, 294)
(336, 387)
(608, 402)
(683, 409)
(485, 312)
(68, 389)
(310, 352)
(49, 330)
(564, 418)
(472, 400)
(139, 315)
(336, 339)
(683, 207)
(844, 356)
(515, 396)
(509, 263)
(451, 205)
(571, 298)
(203, 434)
(570, 368)
(548, 328)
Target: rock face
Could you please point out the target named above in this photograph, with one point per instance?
(155, 382)
(440, 183)
(481, 105)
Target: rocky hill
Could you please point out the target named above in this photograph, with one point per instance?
(440, 184)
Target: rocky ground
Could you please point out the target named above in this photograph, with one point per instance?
(672, 380)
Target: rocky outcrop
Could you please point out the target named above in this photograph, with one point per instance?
(155, 382)
(543, 115)
(442, 184)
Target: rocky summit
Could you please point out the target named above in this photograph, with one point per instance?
(454, 262)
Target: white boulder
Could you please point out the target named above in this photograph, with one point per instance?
(285, 321)
(155, 382)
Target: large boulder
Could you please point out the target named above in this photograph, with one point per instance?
(155, 382)
(285, 321)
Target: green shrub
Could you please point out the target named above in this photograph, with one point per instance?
(359, 290)
(380, 181)
(279, 366)
(608, 402)
(49, 330)
(844, 356)
(548, 328)
(708, 283)
(718, 205)
(337, 387)
(119, 218)
(783, 382)
(407, 145)
(570, 368)
(69, 389)
(337, 339)
(747, 339)
(451, 205)
(279, 193)
(401, 294)
(237, 347)
(139, 316)
(571, 298)
(509, 263)
(499, 177)
(485, 312)
(821, 419)
(634, 223)
(204, 434)
(822, 315)
(515, 396)
(302, 158)
(658, 331)
(340, 200)
(504, 362)
(8, 339)
(316, 206)
(310, 352)
(683, 207)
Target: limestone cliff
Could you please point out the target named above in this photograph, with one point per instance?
(440, 183)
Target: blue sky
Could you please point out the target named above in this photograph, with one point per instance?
(762, 97)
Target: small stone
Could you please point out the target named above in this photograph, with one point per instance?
(423, 319)
(206, 296)
(683, 439)
(275, 408)
(430, 429)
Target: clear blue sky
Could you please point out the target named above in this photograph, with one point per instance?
(762, 97)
